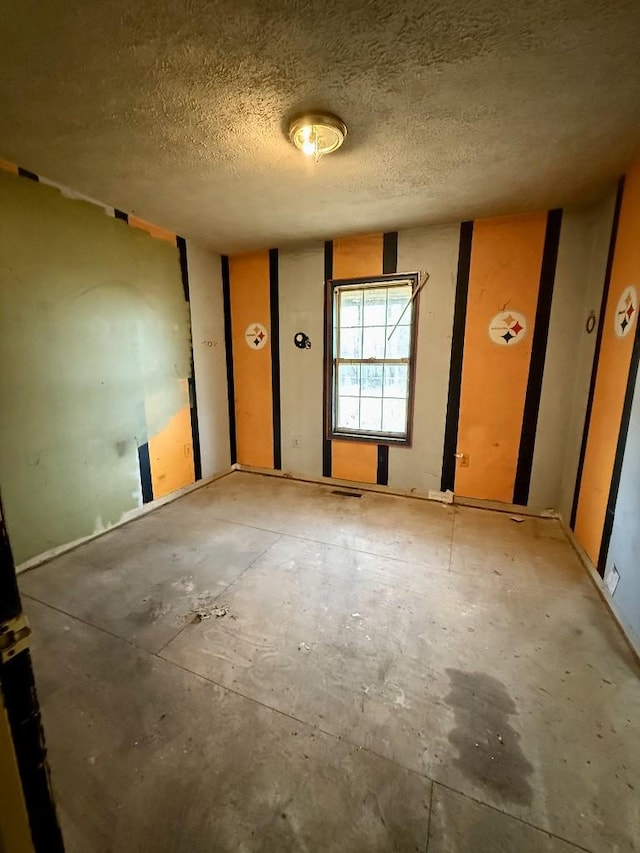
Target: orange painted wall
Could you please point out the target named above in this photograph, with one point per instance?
(506, 259)
(250, 303)
(8, 167)
(354, 257)
(171, 452)
(153, 230)
(611, 377)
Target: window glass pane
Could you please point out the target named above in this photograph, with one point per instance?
(398, 298)
(348, 413)
(371, 413)
(371, 380)
(375, 306)
(394, 415)
(350, 308)
(373, 341)
(350, 343)
(349, 380)
(398, 346)
(396, 377)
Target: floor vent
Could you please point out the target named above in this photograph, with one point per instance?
(346, 494)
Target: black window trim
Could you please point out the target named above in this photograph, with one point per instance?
(329, 374)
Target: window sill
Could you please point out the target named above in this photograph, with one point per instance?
(371, 438)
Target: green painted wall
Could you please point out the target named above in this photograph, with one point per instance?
(93, 321)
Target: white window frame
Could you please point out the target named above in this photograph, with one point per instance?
(333, 290)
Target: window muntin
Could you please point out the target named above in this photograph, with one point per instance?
(371, 365)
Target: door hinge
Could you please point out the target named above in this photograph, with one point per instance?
(14, 637)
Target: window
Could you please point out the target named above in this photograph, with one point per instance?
(370, 374)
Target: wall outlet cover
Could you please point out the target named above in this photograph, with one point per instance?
(611, 578)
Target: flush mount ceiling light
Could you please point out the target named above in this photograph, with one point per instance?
(317, 134)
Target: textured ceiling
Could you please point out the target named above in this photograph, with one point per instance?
(175, 109)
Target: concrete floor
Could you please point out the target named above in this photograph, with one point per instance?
(390, 674)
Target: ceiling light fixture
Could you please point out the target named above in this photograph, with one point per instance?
(317, 134)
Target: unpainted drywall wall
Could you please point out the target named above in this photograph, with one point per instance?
(94, 352)
(210, 364)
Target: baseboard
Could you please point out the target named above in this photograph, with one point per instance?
(132, 515)
(494, 506)
(601, 588)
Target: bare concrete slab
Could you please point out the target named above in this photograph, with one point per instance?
(516, 547)
(145, 581)
(452, 644)
(451, 676)
(460, 825)
(414, 530)
(147, 757)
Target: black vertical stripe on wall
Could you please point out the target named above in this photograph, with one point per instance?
(145, 473)
(389, 266)
(457, 351)
(25, 173)
(195, 427)
(382, 474)
(620, 451)
(326, 444)
(193, 397)
(181, 243)
(228, 348)
(596, 354)
(275, 357)
(120, 214)
(390, 253)
(538, 354)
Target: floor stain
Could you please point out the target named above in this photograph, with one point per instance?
(488, 746)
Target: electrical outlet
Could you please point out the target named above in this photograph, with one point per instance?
(611, 578)
(296, 441)
(464, 460)
(187, 451)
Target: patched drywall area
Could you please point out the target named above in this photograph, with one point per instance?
(94, 351)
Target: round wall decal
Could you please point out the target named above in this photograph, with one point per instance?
(626, 311)
(256, 336)
(507, 328)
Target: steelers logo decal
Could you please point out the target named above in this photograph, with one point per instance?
(256, 336)
(507, 328)
(626, 311)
